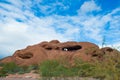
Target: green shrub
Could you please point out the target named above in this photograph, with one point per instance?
(27, 69)
(108, 69)
(3, 74)
(12, 68)
(48, 68)
(1, 64)
(9, 68)
(51, 68)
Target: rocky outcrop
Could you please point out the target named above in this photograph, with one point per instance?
(54, 49)
(7, 59)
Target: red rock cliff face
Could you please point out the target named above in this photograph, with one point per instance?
(54, 49)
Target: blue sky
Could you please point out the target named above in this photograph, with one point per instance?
(27, 22)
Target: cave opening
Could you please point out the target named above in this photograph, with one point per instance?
(94, 55)
(48, 48)
(109, 50)
(27, 55)
(72, 48)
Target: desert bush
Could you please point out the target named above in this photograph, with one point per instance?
(51, 68)
(1, 64)
(12, 68)
(48, 68)
(107, 69)
(27, 69)
(85, 69)
(9, 68)
(2, 74)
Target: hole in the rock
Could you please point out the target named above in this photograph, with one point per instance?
(109, 49)
(57, 48)
(48, 48)
(71, 48)
(94, 55)
(27, 55)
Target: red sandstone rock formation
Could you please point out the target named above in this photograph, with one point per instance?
(54, 49)
(7, 59)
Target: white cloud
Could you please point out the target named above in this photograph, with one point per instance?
(49, 8)
(88, 7)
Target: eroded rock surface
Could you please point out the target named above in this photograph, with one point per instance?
(54, 49)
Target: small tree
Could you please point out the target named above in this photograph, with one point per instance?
(103, 41)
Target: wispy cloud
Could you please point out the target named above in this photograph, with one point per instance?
(89, 7)
(19, 25)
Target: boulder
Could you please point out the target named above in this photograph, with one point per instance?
(54, 49)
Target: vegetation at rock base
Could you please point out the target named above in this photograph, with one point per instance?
(107, 69)
(8, 68)
(12, 68)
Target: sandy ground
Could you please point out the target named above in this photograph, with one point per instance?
(53, 78)
(34, 76)
(26, 76)
(18, 79)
